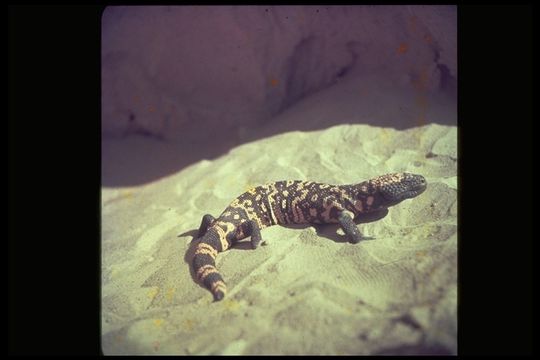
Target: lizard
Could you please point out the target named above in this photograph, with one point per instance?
(295, 202)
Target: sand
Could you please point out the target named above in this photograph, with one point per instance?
(308, 291)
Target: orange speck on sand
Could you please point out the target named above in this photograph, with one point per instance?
(428, 38)
(402, 48)
(188, 324)
(151, 108)
(152, 293)
(274, 82)
(231, 304)
(170, 293)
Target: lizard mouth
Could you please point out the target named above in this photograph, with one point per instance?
(414, 192)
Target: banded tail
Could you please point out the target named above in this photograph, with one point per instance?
(204, 264)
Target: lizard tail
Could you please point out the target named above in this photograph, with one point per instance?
(204, 264)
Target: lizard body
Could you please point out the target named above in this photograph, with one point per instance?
(295, 202)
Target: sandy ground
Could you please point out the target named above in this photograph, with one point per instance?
(308, 291)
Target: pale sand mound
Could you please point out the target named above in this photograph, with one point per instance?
(308, 291)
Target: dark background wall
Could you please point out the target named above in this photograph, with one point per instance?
(171, 71)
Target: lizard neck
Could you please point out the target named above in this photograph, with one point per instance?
(363, 197)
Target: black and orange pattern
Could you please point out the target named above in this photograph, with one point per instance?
(295, 202)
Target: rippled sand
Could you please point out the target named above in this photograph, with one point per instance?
(308, 291)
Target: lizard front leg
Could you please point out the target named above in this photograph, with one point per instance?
(346, 220)
(255, 232)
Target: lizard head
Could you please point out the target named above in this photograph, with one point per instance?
(396, 187)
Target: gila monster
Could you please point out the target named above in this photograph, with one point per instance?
(295, 202)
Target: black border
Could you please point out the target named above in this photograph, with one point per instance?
(54, 179)
(495, 172)
(54, 174)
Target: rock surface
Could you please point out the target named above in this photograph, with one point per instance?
(172, 70)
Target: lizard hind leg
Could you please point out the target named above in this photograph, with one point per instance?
(255, 232)
(206, 222)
